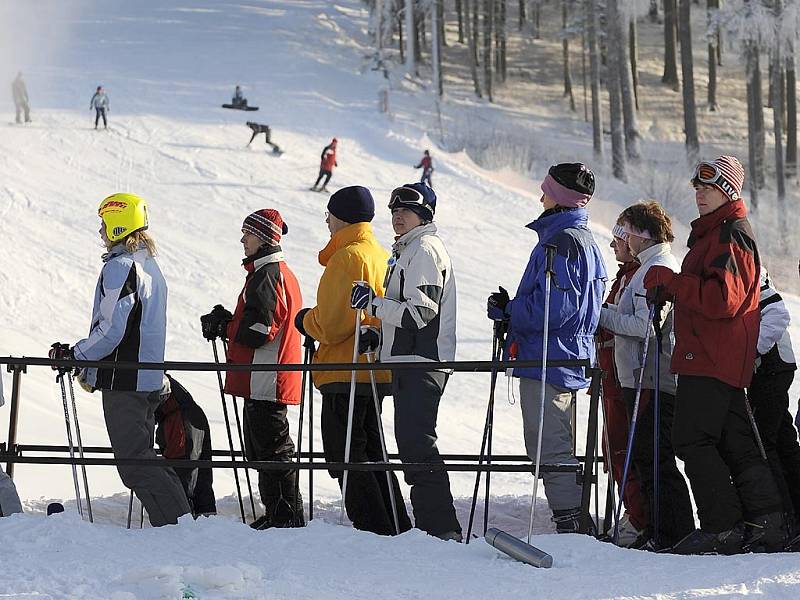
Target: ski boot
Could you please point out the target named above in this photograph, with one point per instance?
(766, 533)
(569, 521)
(705, 542)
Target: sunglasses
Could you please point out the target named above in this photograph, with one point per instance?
(404, 196)
(710, 174)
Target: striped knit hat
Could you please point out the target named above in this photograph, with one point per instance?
(732, 178)
(267, 225)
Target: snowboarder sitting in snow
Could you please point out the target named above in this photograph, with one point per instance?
(426, 164)
(327, 163)
(261, 331)
(260, 128)
(238, 98)
(182, 431)
(99, 103)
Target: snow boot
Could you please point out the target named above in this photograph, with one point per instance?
(704, 542)
(569, 521)
(767, 533)
(54, 508)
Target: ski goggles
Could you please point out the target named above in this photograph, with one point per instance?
(710, 174)
(406, 197)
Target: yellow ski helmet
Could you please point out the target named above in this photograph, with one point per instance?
(122, 215)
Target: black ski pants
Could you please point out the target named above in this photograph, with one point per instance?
(368, 502)
(675, 519)
(769, 399)
(426, 177)
(266, 437)
(416, 407)
(100, 112)
(327, 176)
(713, 436)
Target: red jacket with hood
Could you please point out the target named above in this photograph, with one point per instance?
(716, 299)
(262, 330)
(328, 158)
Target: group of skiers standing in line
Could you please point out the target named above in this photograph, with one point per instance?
(716, 321)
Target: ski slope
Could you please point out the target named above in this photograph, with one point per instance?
(167, 66)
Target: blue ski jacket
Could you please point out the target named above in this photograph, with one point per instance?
(576, 295)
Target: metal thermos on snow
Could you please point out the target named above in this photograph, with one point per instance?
(517, 549)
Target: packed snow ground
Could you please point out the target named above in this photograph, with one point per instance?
(167, 66)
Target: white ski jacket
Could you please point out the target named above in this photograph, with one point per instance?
(418, 309)
(628, 320)
(774, 345)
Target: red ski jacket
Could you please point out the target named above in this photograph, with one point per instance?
(262, 330)
(328, 158)
(716, 299)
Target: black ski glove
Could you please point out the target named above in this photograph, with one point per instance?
(369, 340)
(496, 305)
(298, 321)
(215, 323)
(59, 351)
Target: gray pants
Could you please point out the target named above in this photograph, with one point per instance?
(562, 489)
(130, 420)
(9, 499)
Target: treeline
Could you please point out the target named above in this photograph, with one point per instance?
(760, 34)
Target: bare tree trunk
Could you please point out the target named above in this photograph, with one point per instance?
(633, 51)
(615, 65)
(565, 56)
(594, 76)
(670, 76)
(687, 72)
(488, 14)
(411, 51)
(436, 47)
(400, 44)
(653, 12)
(618, 42)
(537, 16)
(776, 83)
(791, 114)
(460, 14)
(522, 16)
(501, 36)
(471, 31)
(583, 67)
(711, 6)
(755, 121)
(442, 28)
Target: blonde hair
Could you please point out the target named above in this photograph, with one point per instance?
(136, 239)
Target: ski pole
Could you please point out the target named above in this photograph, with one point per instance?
(306, 360)
(496, 350)
(500, 338)
(350, 409)
(311, 442)
(550, 252)
(241, 442)
(60, 379)
(753, 424)
(385, 454)
(228, 429)
(80, 446)
(656, 426)
(130, 511)
(632, 430)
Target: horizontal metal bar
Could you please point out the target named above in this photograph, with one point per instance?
(459, 365)
(289, 466)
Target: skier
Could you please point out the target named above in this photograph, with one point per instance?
(182, 432)
(615, 415)
(578, 282)
(9, 499)
(769, 398)
(257, 128)
(326, 165)
(99, 103)
(238, 99)
(20, 94)
(426, 164)
(716, 324)
(647, 230)
(418, 323)
(352, 254)
(260, 331)
(128, 323)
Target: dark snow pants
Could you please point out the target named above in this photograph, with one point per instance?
(100, 112)
(327, 176)
(769, 399)
(416, 406)
(130, 421)
(675, 519)
(266, 437)
(368, 502)
(712, 435)
(426, 177)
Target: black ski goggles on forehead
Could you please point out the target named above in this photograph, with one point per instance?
(710, 174)
(406, 197)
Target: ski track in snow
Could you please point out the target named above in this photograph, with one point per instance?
(169, 142)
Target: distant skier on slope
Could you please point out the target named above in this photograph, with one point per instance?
(20, 94)
(326, 165)
(265, 129)
(426, 164)
(99, 103)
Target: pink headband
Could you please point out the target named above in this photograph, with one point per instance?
(563, 196)
(631, 230)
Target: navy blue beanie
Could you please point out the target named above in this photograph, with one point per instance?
(427, 211)
(353, 204)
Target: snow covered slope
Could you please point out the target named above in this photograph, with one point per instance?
(167, 67)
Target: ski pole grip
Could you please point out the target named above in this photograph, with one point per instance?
(550, 254)
(517, 549)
